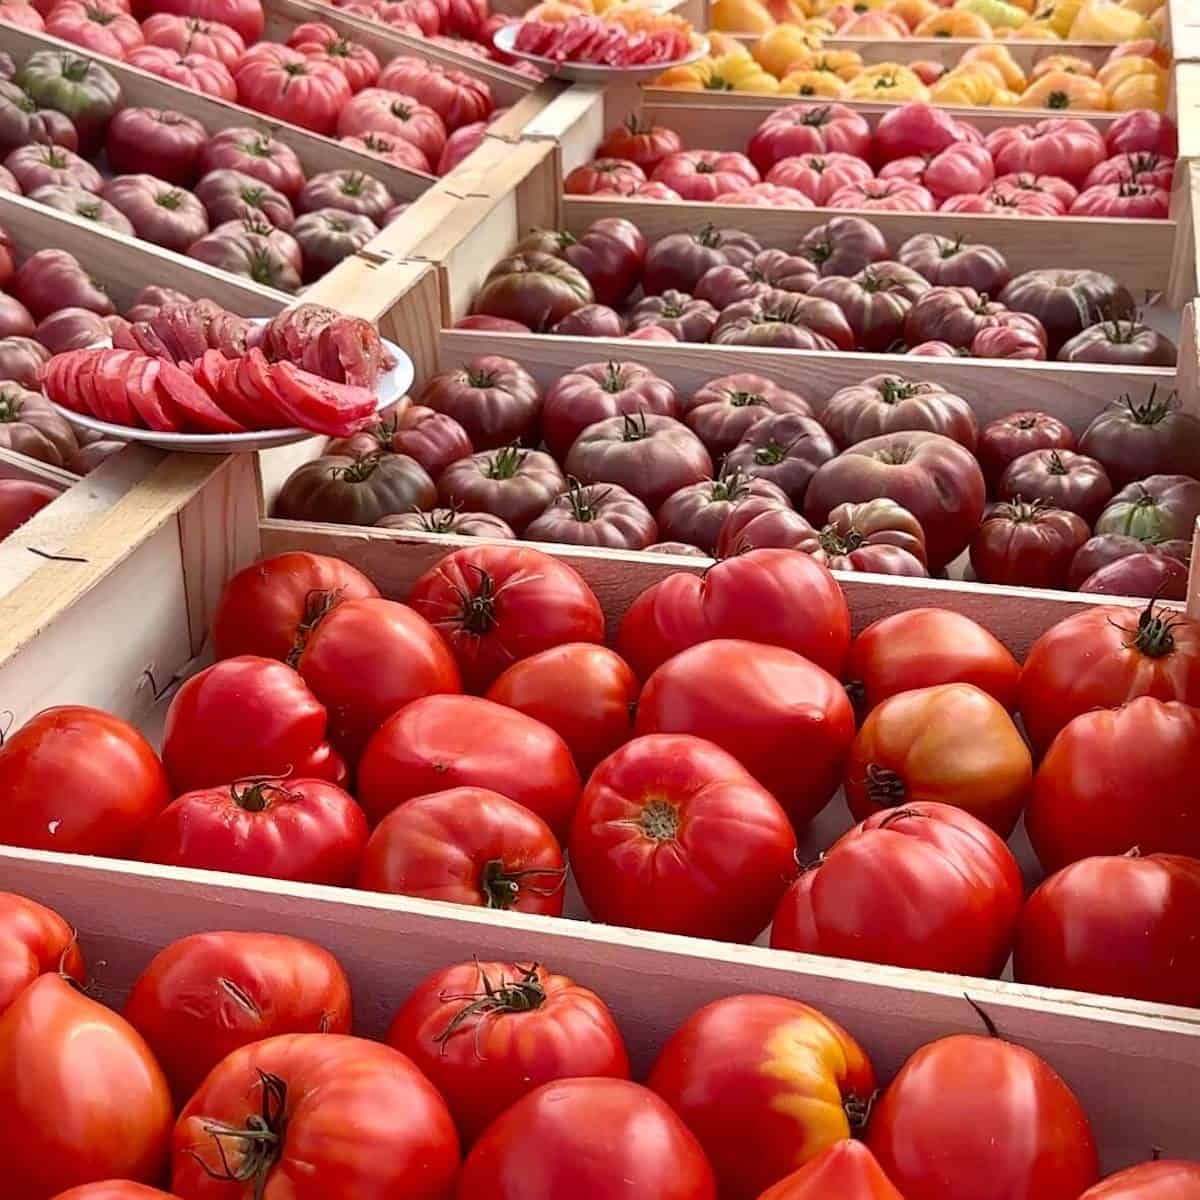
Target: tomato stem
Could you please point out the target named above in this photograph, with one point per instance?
(659, 820)
(502, 888)
(259, 1140)
(521, 995)
(885, 787)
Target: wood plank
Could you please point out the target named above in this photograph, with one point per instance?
(576, 119)
(950, 50)
(30, 470)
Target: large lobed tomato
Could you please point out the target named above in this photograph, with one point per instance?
(1133, 439)
(1068, 147)
(673, 834)
(81, 781)
(723, 411)
(510, 483)
(256, 154)
(493, 398)
(609, 253)
(765, 1083)
(606, 1139)
(81, 1096)
(291, 86)
(847, 1168)
(244, 16)
(163, 143)
(377, 110)
(204, 996)
(809, 129)
(923, 885)
(487, 1034)
(1027, 544)
(192, 35)
(637, 142)
(703, 175)
(337, 1118)
(99, 26)
(1059, 479)
(458, 98)
(34, 940)
(884, 404)
(952, 262)
(917, 129)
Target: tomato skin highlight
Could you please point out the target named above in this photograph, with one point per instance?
(846, 1169)
(484, 1064)
(34, 940)
(762, 1081)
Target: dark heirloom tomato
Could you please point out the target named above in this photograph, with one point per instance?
(493, 398)
(1008, 341)
(75, 86)
(1027, 544)
(722, 411)
(1125, 343)
(1162, 1179)
(34, 940)
(978, 1118)
(754, 701)
(953, 262)
(1116, 779)
(15, 318)
(1103, 658)
(809, 129)
(953, 744)
(161, 213)
(696, 514)
(1107, 548)
(925, 885)
(598, 514)
(640, 143)
(1066, 301)
(36, 166)
(673, 834)
(79, 781)
(230, 195)
(256, 154)
(328, 235)
(874, 306)
(1008, 438)
(957, 314)
(846, 1168)
(649, 455)
(686, 318)
(246, 717)
(1162, 508)
(347, 1118)
(785, 321)
(71, 329)
(449, 520)
(465, 741)
(1148, 575)
(487, 1034)
(206, 995)
(496, 605)
(785, 449)
(1155, 437)
(349, 491)
(592, 320)
(69, 198)
(843, 246)
(1061, 479)
(1118, 925)
(271, 607)
(21, 362)
(889, 403)
(610, 254)
(513, 484)
(536, 289)
(30, 425)
(759, 522)
(23, 120)
(248, 253)
(467, 845)
(876, 536)
(596, 391)
(765, 1083)
(81, 1096)
(606, 1139)
(933, 477)
(678, 261)
(351, 191)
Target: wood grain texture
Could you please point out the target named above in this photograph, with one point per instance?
(21, 466)
(1135, 1073)
(576, 119)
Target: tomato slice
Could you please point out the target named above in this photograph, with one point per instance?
(195, 408)
(251, 370)
(153, 404)
(111, 381)
(68, 380)
(85, 383)
(337, 409)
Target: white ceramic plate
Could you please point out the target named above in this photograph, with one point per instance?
(388, 390)
(578, 72)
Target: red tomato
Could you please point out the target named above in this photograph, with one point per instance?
(809, 129)
(206, 995)
(351, 1119)
(271, 607)
(305, 830)
(585, 693)
(467, 845)
(291, 86)
(464, 741)
(495, 605)
(777, 597)
(245, 718)
(916, 129)
(769, 707)
(847, 1168)
(673, 834)
(1068, 147)
(927, 646)
(1168, 1179)
(603, 1139)
(34, 940)
(765, 1083)
(246, 16)
(113, 1189)
(978, 1118)
(1104, 657)
(81, 1097)
(78, 780)
(1115, 779)
(1119, 925)
(925, 885)
(487, 1034)
(19, 500)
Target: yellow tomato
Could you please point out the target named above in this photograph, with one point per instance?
(971, 87)
(1062, 90)
(821, 26)
(912, 12)
(1003, 98)
(1033, 31)
(954, 23)
(1139, 91)
(1107, 21)
(888, 82)
(1146, 7)
(720, 44)
(1058, 14)
(1070, 63)
(812, 83)
(728, 73)
(1118, 69)
(999, 57)
(999, 14)
(784, 45)
(844, 64)
(741, 16)
(789, 11)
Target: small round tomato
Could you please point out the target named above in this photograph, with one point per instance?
(1119, 778)
(847, 1168)
(952, 744)
(467, 845)
(80, 781)
(487, 1034)
(765, 1083)
(1104, 657)
(587, 694)
(204, 996)
(1165, 1179)
(465, 741)
(926, 885)
(1008, 438)
(336, 1117)
(673, 834)
(978, 1118)
(606, 1139)
(245, 718)
(769, 707)
(34, 940)
(495, 605)
(270, 607)
(304, 830)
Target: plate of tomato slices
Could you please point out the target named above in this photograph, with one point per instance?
(588, 50)
(217, 403)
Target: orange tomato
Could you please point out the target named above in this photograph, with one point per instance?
(845, 64)
(777, 50)
(741, 16)
(812, 83)
(912, 12)
(1064, 91)
(999, 57)
(891, 82)
(954, 23)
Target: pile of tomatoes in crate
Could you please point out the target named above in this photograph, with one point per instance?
(232, 1070)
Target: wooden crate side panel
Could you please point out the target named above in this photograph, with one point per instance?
(1135, 1075)
(576, 119)
(30, 470)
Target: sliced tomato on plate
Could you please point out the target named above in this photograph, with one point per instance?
(85, 384)
(251, 371)
(191, 404)
(337, 409)
(153, 406)
(111, 383)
